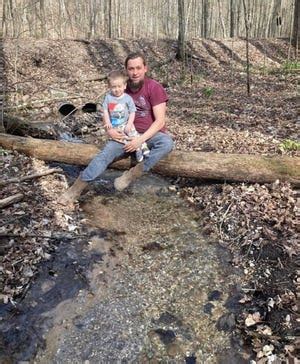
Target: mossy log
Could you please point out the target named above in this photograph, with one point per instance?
(210, 166)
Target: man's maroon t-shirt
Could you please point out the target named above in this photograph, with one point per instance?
(151, 94)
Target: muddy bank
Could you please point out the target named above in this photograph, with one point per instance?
(24, 322)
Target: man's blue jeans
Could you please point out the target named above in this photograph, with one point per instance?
(160, 145)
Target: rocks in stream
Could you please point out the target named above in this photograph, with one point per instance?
(227, 322)
(214, 295)
(166, 336)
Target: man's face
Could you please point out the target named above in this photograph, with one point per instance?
(136, 71)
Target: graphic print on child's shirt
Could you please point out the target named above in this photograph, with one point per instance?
(117, 113)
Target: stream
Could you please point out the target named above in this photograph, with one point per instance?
(144, 287)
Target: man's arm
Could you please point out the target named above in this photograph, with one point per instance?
(159, 112)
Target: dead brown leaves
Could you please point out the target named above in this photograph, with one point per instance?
(250, 216)
(258, 223)
(31, 228)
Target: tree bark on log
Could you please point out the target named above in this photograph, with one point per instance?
(211, 166)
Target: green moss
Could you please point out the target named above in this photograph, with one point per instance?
(289, 145)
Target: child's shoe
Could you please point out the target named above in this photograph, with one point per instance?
(139, 155)
(145, 150)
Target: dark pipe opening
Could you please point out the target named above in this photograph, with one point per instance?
(67, 109)
(89, 107)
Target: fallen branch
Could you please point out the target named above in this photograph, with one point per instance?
(11, 200)
(55, 237)
(91, 79)
(15, 218)
(223, 219)
(29, 176)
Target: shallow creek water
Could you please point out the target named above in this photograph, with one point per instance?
(149, 287)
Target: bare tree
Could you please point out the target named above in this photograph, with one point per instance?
(2, 85)
(246, 17)
(238, 18)
(181, 31)
(296, 27)
(109, 16)
(221, 20)
(205, 6)
(3, 25)
(232, 18)
(92, 18)
(42, 15)
(274, 21)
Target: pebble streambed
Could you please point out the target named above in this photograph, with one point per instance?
(153, 290)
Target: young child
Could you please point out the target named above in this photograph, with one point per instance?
(119, 110)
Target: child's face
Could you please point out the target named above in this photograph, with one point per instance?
(117, 87)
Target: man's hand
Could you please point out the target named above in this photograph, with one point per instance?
(133, 144)
(116, 134)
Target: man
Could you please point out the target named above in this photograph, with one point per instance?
(150, 100)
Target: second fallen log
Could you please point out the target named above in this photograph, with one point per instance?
(11, 200)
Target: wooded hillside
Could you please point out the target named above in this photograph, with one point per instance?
(145, 18)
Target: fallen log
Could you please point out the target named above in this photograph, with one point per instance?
(11, 200)
(211, 166)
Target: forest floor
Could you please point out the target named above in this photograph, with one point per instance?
(209, 110)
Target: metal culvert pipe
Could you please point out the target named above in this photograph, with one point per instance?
(89, 107)
(67, 108)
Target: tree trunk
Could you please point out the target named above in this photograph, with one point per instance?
(3, 24)
(274, 26)
(211, 166)
(204, 18)
(238, 18)
(43, 21)
(246, 15)
(296, 28)
(91, 15)
(181, 31)
(2, 84)
(109, 19)
(221, 20)
(232, 18)
(269, 19)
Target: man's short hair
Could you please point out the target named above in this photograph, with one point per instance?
(113, 75)
(135, 55)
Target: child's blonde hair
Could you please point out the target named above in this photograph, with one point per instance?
(113, 75)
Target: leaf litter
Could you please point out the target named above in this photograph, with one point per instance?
(258, 223)
(31, 228)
